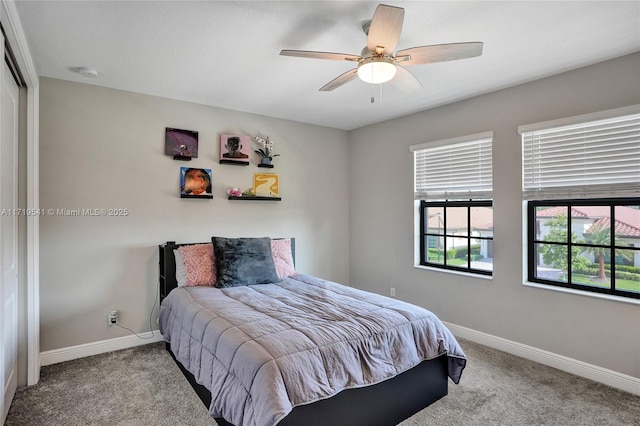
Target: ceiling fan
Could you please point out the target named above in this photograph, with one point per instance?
(378, 64)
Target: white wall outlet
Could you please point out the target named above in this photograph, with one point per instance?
(392, 292)
(113, 317)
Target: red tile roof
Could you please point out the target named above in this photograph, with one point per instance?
(482, 218)
(627, 219)
(621, 229)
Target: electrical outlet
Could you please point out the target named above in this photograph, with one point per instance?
(392, 292)
(113, 317)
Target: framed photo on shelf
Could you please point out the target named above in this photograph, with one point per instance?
(235, 149)
(266, 185)
(196, 183)
(181, 144)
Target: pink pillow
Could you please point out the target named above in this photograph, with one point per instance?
(281, 251)
(198, 260)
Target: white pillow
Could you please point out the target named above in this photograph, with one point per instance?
(181, 271)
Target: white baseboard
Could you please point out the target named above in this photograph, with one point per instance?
(589, 371)
(94, 348)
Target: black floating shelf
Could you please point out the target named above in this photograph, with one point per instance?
(235, 163)
(209, 196)
(256, 198)
(269, 166)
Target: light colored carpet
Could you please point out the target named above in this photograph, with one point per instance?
(501, 389)
(142, 386)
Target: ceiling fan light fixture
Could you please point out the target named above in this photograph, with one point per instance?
(376, 69)
(377, 62)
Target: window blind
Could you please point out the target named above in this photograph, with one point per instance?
(454, 169)
(590, 159)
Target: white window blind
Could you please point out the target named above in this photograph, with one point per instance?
(598, 158)
(451, 169)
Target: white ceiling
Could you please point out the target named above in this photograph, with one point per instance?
(226, 53)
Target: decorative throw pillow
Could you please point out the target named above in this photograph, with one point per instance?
(199, 263)
(243, 261)
(282, 257)
(181, 271)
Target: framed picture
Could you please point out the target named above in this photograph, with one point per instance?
(235, 149)
(181, 144)
(196, 183)
(266, 185)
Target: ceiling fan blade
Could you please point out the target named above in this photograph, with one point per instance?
(320, 55)
(340, 80)
(438, 53)
(405, 81)
(385, 28)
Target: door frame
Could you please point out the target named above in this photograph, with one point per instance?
(16, 39)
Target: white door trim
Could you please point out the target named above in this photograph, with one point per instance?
(17, 39)
(5, 388)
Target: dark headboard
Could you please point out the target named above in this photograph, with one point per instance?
(167, 263)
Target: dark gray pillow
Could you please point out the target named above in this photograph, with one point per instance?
(243, 261)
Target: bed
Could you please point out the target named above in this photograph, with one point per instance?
(297, 350)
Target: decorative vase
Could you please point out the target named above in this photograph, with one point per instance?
(265, 162)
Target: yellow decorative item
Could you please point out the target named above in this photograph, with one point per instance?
(266, 185)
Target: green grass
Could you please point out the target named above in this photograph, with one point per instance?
(627, 285)
(450, 262)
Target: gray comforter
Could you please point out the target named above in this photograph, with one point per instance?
(263, 349)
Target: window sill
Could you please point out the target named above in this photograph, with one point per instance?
(450, 271)
(583, 293)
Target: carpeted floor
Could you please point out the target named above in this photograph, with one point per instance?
(142, 386)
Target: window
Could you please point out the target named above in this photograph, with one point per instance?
(581, 181)
(573, 242)
(457, 235)
(453, 188)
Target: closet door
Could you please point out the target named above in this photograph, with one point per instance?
(8, 236)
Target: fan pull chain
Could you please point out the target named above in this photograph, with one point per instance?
(373, 98)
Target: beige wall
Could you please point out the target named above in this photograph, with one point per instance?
(600, 332)
(103, 148)
(347, 198)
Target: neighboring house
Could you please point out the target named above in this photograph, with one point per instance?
(481, 226)
(585, 219)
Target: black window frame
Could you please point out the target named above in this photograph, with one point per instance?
(424, 259)
(532, 206)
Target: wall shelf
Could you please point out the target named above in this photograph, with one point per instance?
(235, 162)
(255, 198)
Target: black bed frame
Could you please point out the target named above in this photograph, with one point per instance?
(384, 404)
